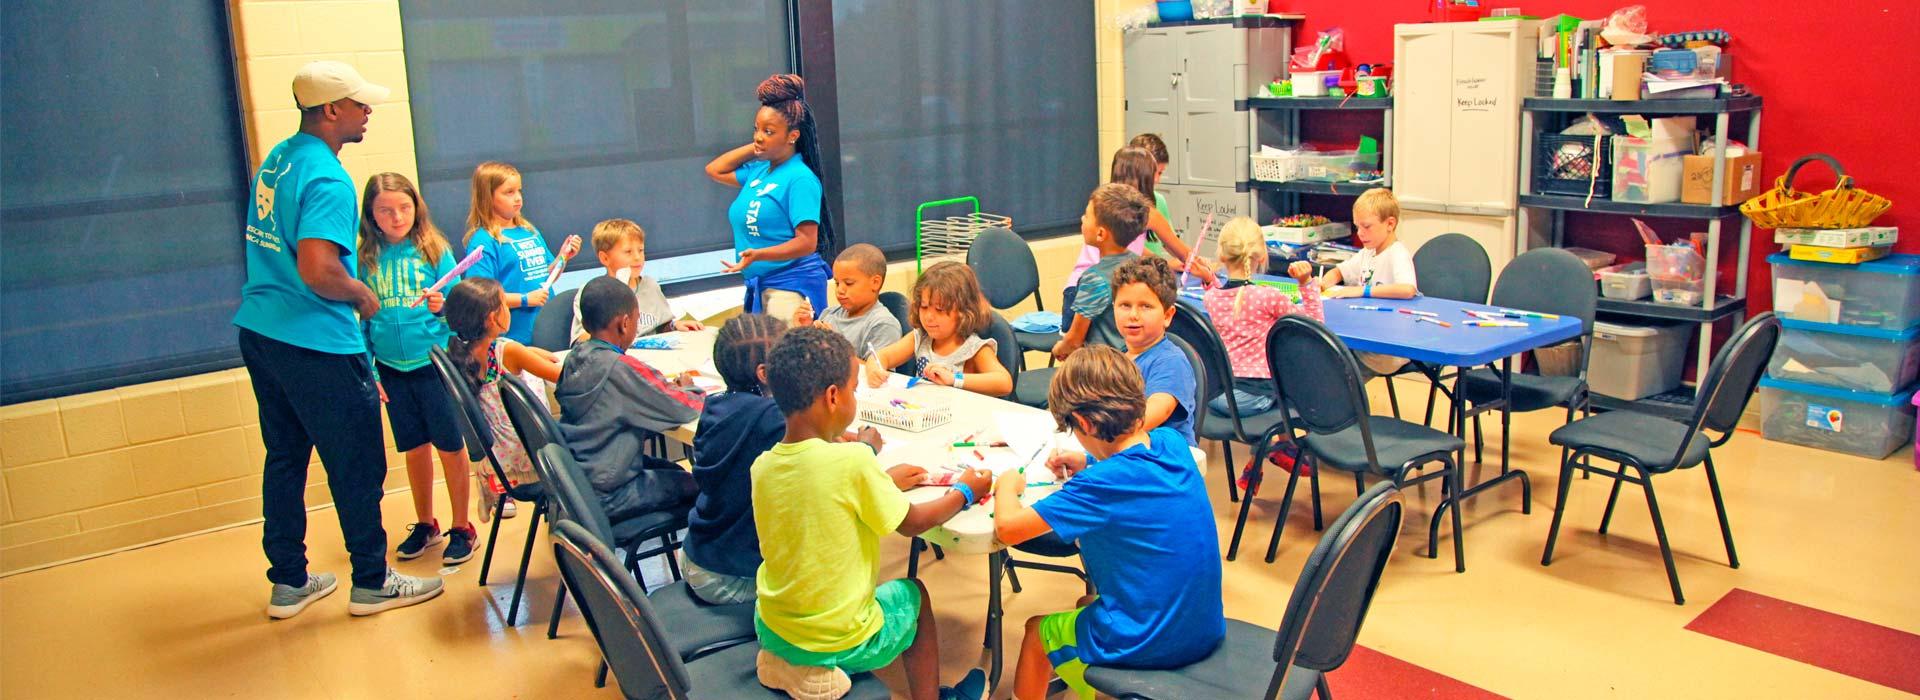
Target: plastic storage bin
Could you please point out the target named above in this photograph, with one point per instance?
(1846, 357)
(1175, 10)
(1628, 282)
(1338, 166)
(1678, 273)
(1595, 259)
(1635, 362)
(1572, 165)
(1647, 171)
(1883, 293)
(1854, 422)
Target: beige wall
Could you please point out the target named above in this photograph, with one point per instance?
(1111, 93)
(93, 473)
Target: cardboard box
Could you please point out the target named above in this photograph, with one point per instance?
(1743, 179)
(1840, 256)
(1838, 237)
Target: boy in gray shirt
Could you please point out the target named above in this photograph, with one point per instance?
(858, 273)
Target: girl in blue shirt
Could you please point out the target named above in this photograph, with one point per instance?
(401, 254)
(778, 225)
(515, 253)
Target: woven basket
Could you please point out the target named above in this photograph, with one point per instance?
(1844, 206)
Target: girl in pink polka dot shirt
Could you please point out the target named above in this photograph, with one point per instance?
(1242, 312)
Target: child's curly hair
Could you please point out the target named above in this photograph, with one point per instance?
(951, 286)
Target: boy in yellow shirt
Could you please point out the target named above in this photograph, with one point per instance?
(820, 506)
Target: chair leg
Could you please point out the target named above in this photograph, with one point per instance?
(1393, 398)
(559, 602)
(1233, 487)
(913, 557)
(1246, 499)
(1459, 536)
(493, 535)
(526, 557)
(1559, 508)
(1660, 531)
(1479, 441)
(600, 676)
(1606, 517)
(1013, 575)
(938, 553)
(1433, 393)
(1720, 506)
(1321, 688)
(1286, 504)
(1359, 484)
(1314, 481)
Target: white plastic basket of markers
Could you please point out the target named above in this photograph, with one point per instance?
(906, 409)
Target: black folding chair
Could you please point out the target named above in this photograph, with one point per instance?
(479, 439)
(1452, 266)
(553, 328)
(1008, 275)
(633, 634)
(1191, 325)
(1323, 618)
(701, 628)
(1324, 408)
(1650, 444)
(1544, 280)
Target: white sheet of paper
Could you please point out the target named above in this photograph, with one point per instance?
(1023, 432)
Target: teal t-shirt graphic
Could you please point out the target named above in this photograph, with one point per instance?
(401, 333)
(300, 192)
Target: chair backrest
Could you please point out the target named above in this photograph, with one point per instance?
(1200, 376)
(896, 304)
(1006, 346)
(530, 418)
(553, 328)
(1317, 380)
(1453, 266)
(472, 422)
(1006, 268)
(1552, 281)
(570, 490)
(1336, 586)
(1191, 325)
(1731, 378)
(621, 618)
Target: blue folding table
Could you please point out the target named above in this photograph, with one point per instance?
(1390, 332)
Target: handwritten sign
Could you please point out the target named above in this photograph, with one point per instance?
(1474, 94)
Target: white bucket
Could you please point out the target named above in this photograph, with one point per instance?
(1311, 83)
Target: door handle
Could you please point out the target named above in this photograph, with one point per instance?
(1176, 80)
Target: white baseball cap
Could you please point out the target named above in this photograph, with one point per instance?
(321, 82)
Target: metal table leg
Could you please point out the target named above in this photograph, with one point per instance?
(996, 565)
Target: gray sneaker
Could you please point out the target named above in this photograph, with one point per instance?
(399, 591)
(288, 601)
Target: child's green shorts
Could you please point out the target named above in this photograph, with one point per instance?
(1062, 644)
(900, 613)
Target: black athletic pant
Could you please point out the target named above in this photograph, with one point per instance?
(310, 399)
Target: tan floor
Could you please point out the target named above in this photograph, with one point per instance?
(185, 619)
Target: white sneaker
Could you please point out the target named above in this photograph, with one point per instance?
(288, 601)
(399, 591)
(507, 511)
(801, 682)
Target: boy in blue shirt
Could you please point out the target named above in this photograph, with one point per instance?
(1116, 214)
(1145, 616)
(1143, 290)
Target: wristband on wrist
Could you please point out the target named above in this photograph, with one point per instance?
(965, 491)
(1366, 290)
(958, 379)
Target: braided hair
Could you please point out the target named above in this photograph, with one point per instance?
(742, 347)
(469, 304)
(786, 94)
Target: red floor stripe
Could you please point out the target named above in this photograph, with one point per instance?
(1369, 674)
(1837, 643)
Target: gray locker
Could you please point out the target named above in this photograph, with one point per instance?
(1188, 83)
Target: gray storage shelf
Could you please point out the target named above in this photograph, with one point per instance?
(1331, 189)
(1722, 308)
(1667, 107)
(1602, 205)
(1353, 104)
(1238, 22)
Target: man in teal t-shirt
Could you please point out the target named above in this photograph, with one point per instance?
(307, 356)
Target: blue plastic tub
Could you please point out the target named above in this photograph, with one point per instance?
(1868, 424)
(1861, 358)
(1175, 10)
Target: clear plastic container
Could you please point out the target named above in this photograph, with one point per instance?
(1860, 423)
(1846, 357)
(1311, 83)
(1883, 293)
(1633, 362)
(1629, 281)
(1678, 274)
(1335, 166)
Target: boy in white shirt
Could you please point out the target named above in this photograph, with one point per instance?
(1383, 268)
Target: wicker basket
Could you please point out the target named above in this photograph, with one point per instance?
(1844, 206)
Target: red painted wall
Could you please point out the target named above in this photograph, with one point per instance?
(1838, 76)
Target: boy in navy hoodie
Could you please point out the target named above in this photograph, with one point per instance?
(723, 550)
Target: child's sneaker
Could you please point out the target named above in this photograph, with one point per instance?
(801, 682)
(459, 545)
(420, 536)
(398, 591)
(507, 511)
(288, 601)
(972, 686)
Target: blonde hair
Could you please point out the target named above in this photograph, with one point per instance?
(1379, 202)
(1242, 247)
(425, 236)
(952, 285)
(487, 177)
(609, 234)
